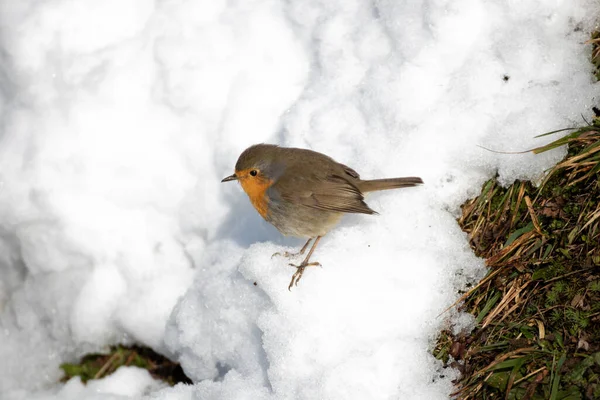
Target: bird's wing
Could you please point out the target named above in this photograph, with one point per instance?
(333, 193)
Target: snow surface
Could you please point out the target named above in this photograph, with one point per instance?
(119, 119)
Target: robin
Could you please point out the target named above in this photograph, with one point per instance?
(304, 193)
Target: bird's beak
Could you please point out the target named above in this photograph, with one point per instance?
(230, 178)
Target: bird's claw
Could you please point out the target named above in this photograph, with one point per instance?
(285, 254)
(312, 264)
(299, 271)
(296, 278)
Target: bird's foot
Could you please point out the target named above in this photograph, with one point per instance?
(299, 271)
(289, 255)
(285, 254)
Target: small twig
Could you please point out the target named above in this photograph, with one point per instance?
(533, 385)
(568, 274)
(529, 375)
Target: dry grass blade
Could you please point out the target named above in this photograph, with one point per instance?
(515, 246)
(512, 294)
(593, 217)
(504, 357)
(471, 291)
(534, 219)
(107, 366)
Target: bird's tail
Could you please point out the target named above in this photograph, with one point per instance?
(391, 183)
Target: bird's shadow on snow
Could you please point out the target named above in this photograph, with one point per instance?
(245, 226)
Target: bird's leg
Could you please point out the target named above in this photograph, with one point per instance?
(300, 268)
(288, 255)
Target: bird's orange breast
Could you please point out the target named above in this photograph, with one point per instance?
(256, 189)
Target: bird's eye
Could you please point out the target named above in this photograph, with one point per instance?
(254, 172)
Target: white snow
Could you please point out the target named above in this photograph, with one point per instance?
(119, 119)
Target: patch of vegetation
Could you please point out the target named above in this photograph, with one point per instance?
(96, 366)
(595, 42)
(538, 308)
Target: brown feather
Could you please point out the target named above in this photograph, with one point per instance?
(390, 183)
(331, 193)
